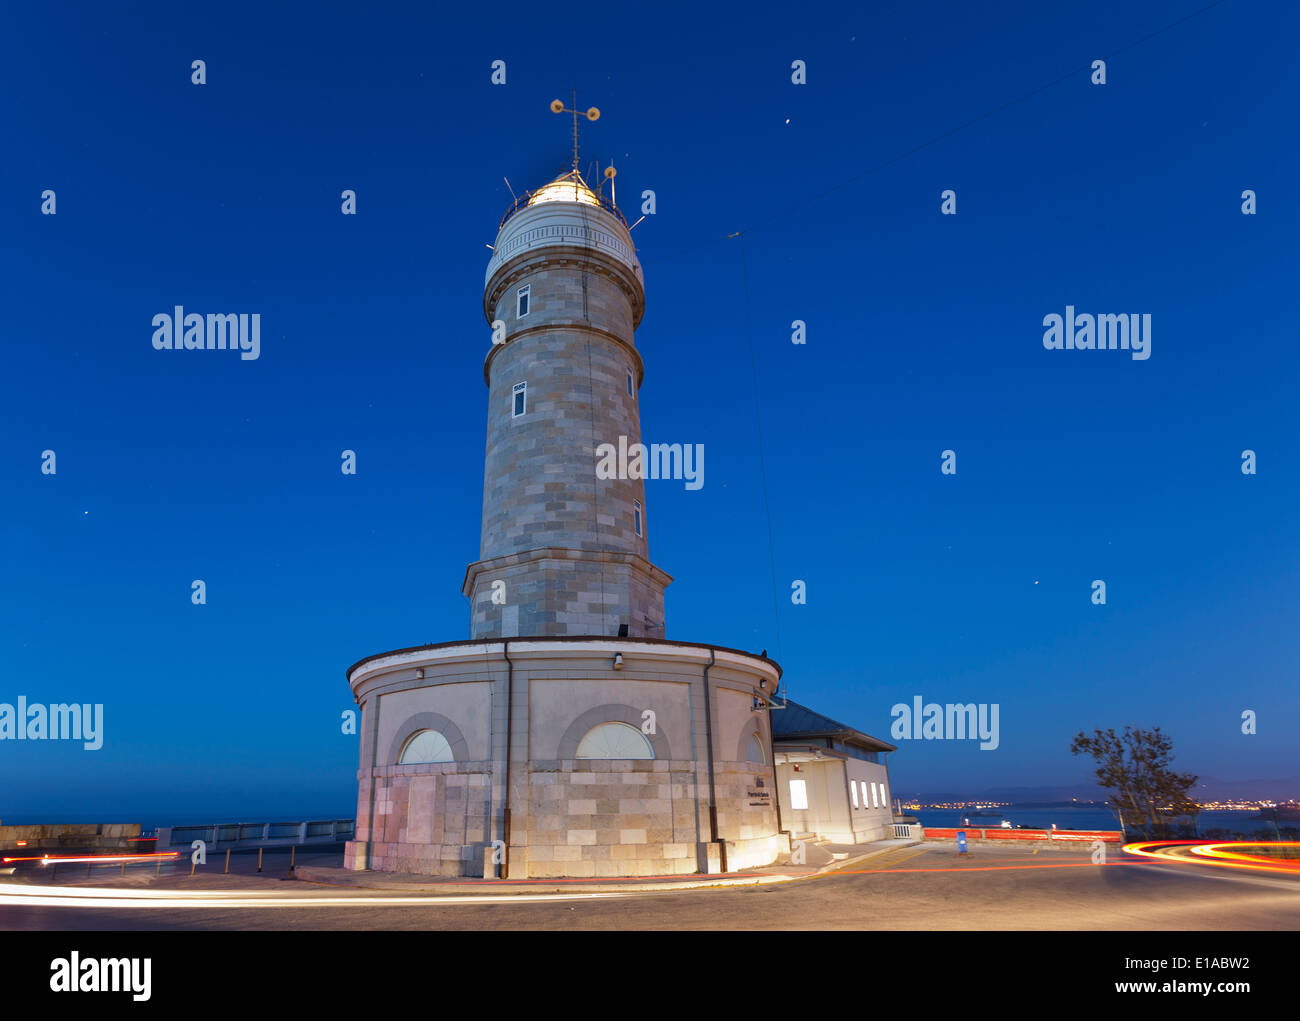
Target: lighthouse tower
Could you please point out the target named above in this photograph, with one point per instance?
(567, 736)
(563, 552)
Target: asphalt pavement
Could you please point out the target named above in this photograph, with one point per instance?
(925, 887)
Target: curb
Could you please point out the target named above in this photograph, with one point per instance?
(553, 886)
(477, 888)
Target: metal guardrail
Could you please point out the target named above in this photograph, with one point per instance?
(254, 834)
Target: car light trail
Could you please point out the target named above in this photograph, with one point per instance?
(61, 859)
(1192, 852)
(986, 868)
(102, 897)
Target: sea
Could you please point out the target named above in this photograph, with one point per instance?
(1090, 817)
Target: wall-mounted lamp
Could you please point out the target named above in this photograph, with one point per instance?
(618, 661)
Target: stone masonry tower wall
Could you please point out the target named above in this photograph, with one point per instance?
(569, 549)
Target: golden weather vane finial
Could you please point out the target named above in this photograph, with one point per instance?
(592, 114)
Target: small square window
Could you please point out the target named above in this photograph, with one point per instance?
(636, 516)
(521, 301)
(520, 399)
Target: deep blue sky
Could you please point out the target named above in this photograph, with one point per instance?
(924, 334)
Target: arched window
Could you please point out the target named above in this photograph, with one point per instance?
(425, 746)
(754, 750)
(614, 741)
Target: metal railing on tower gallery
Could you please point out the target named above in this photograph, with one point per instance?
(523, 200)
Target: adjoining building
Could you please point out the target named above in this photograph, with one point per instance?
(832, 779)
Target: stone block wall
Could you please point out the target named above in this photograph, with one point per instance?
(540, 486)
(431, 819)
(73, 836)
(594, 818)
(619, 817)
(567, 592)
(574, 349)
(568, 817)
(747, 821)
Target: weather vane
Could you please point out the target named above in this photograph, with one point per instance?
(592, 114)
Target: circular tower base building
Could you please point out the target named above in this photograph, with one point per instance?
(567, 737)
(618, 757)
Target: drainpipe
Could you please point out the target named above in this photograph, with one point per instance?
(374, 763)
(505, 822)
(713, 790)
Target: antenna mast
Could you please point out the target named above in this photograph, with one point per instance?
(575, 129)
(592, 114)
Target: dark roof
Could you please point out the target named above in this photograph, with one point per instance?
(796, 722)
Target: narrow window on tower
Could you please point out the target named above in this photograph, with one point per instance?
(521, 301)
(636, 515)
(629, 385)
(521, 399)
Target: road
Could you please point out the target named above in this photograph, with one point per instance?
(927, 887)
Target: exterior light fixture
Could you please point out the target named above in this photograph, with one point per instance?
(618, 661)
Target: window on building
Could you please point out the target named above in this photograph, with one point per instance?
(754, 750)
(521, 301)
(520, 399)
(884, 796)
(614, 741)
(864, 792)
(425, 746)
(853, 790)
(875, 796)
(630, 391)
(636, 516)
(798, 795)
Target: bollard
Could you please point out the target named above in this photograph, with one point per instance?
(123, 868)
(293, 852)
(259, 859)
(158, 871)
(88, 864)
(54, 872)
(227, 872)
(192, 863)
